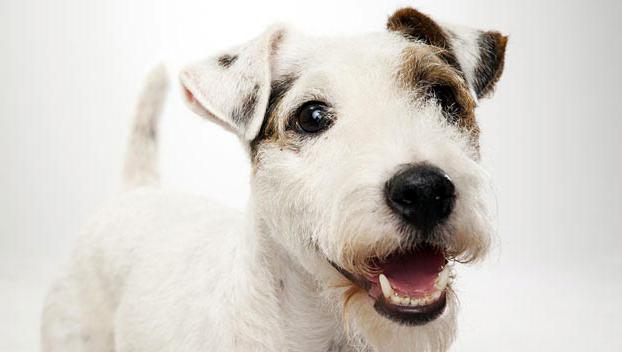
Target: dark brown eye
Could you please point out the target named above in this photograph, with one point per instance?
(313, 117)
(446, 98)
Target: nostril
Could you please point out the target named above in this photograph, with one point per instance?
(444, 188)
(406, 195)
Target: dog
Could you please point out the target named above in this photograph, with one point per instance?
(366, 189)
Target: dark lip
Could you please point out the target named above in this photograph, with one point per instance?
(359, 281)
(411, 316)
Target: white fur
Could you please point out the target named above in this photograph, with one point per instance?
(160, 272)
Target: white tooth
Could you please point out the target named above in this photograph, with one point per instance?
(385, 286)
(405, 301)
(396, 299)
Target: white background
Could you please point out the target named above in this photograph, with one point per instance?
(70, 71)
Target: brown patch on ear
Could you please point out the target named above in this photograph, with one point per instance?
(424, 72)
(225, 61)
(491, 61)
(418, 26)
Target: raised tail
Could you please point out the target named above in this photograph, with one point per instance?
(141, 161)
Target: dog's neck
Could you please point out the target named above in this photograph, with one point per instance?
(305, 322)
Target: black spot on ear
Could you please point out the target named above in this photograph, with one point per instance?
(226, 60)
(491, 61)
(244, 112)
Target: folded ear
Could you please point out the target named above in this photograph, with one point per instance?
(479, 55)
(232, 88)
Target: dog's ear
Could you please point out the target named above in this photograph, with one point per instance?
(233, 88)
(479, 55)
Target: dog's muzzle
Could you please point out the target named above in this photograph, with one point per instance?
(410, 285)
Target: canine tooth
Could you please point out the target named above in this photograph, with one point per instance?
(436, 295)
(442, 279)
(385, 286)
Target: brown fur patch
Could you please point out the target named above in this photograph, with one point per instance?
(490, 65)
(270, 125)
(423, 70)
(225, 61)
(418, 26)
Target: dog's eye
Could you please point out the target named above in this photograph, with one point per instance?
(446, 98)
(313, 117)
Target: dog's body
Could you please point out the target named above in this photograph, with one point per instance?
(188, 279)
(331, 168)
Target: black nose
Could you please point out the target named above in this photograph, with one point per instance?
(421, 194)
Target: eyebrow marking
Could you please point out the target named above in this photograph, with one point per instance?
(269, 126)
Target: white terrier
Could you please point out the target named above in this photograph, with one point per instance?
(366, 187)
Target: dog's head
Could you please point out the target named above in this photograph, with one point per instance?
(366, 161)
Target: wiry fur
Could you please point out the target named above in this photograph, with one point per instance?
(160, 272)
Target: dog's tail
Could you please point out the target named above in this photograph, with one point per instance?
(141, 162)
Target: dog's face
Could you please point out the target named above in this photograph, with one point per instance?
(365, 162)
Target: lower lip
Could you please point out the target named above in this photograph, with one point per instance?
(411, 315)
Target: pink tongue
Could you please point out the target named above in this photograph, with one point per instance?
(414, 274)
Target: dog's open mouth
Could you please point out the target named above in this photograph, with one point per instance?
(409, 288)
